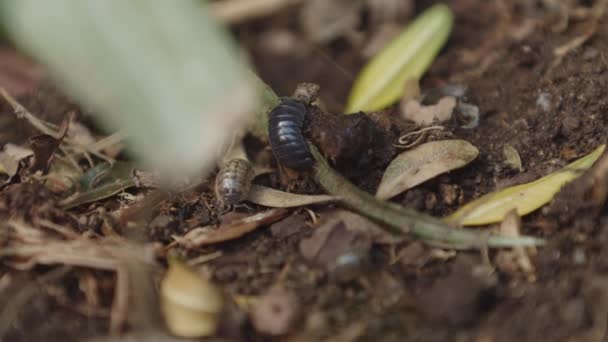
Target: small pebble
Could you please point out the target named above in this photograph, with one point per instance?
(579, 257)
(468, 115)
(570, 124)
(544, 101)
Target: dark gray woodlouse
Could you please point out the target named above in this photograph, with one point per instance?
(233, 182)
(285, 123)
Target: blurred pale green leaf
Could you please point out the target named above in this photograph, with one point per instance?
(161, 71)
(382, 81)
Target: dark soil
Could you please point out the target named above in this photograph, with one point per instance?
(550, 111)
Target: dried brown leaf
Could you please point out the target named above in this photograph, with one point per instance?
(512, 158)
(269, 197)
(208, 235)
(11, 156)
(422, 163)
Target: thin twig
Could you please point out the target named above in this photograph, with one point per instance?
(400, 220)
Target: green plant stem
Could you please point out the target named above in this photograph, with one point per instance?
(399, 220)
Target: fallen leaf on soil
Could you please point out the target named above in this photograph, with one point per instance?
(426, 115)
(209, 235)
(269, 197)
(517, 259)
(381, 81)
(512, 158)
(11, 156)
(191, 304)
(422, 163)
(101, 182)
(275, 312)
(526, 198)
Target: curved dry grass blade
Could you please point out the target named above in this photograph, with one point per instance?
(383, 79)
(269, 197)
(422, 163)
(525, 198)
(208, 235)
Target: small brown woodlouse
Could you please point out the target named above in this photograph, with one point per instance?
(285, 123)
(233, 182)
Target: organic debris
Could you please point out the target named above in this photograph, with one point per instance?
(512, 158)
(526, 198)
(269, 197)
(425, 115)
(233, 230)
(422, 163)
(11, 156)
(28, 246)
(518, 259)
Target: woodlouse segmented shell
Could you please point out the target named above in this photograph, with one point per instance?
(285, 134)
(233, 182)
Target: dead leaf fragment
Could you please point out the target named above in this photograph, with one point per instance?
(11, 156)
(426, 115)
(208, 235)
(512, 158)
(269, 197)
(422, 163)
(275, 312)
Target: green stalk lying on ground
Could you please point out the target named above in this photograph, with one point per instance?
(400, 220)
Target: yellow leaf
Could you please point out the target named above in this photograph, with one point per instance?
(383, 79)
(525, 198)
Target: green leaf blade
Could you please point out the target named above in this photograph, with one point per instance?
(382, 80)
